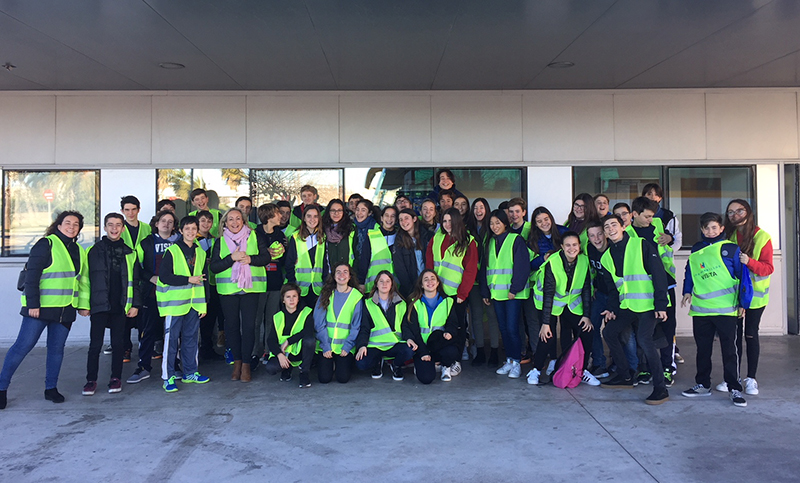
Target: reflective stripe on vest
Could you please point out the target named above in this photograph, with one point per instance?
(500, 270)
(306, 274)
(437, 322)
(536, 281)
(571, 299)
(86, 288)
(339, 327)
(450, 268)
(664, 251)
(59, 285)
(382, 336)
(714, 290)
(226, 285)
(760, 284)
(144, 232)
(279, 320)
(636, 287)
(178, 300)
(381, 257)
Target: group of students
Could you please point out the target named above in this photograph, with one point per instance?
(352, 285)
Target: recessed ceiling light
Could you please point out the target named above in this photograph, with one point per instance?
(171, 65)
(561, 65)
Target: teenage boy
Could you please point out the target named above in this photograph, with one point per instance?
(199, 199)
(165, 204)
(286, 213)
(214, 316)
(624, 212)
(446, 198)
(133, 233)
(529, 329)
(717, 288)
(352, 203)
(245, 203)
(517, 213)
(645, 226)
(403, 202)
(112, 292)
(308, 197)
(269, 302)
(638, 298)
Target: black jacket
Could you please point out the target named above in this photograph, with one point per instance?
(406, 270)
(219, 265)
(367, 324)
(99, 260)
(307, 332)
(652, 265)
(549, 289)
(166, 274)
(412, 331)
(150, 262)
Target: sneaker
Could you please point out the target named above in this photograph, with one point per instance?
(738, 400)
(697, 390)
(455, 369)
(505, 368)
(722, 387)
(170, 386)
(589, 378)
(229, 357)
(127, 356)
(446, 374)
(90, 388)
(526, 359)
(115, 385)
(515, 371)
(305, 381)
(138, 375)
(107, 350)
(599, 372)
(286, 375)
(644, 378)
(658, 396)
(750, 386)
(668, 379)
(377, 371)
(679, 359)
(533, 377)
(397, 373)
(551, 367)
(465, 354)
(195, 378)
(620, 382)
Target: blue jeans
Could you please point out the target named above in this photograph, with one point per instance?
(598, 351)
(631, 351)
(508, 313)
(400, 352)
(186, 329)
(29, 333)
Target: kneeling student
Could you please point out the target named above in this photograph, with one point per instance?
(717, 286)
(291, 343)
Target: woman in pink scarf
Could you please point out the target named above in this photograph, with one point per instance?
(237, 264)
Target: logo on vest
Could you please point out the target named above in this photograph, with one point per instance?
(707, 271)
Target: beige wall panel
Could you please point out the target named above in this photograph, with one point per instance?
(27, 130)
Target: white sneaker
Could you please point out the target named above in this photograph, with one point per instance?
(722, 387)
(750, 386)
(551, 367)
(446, 374)
(506, 368)
(455, 369)
(515, 371)
(589, 379)
(533, 377)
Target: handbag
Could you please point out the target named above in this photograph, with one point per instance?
(21, 280)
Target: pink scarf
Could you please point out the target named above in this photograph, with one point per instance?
(240, 272)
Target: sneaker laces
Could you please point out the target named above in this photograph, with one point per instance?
(697, 387)
(735, 393)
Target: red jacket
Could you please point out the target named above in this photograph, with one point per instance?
(763, 266)
(470, 263)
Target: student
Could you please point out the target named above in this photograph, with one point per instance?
(199, 199)
(269, 302)
(308, 197)
(461, 203)
(245, 205)
(286, 213)
(381, 241)
(337, 320)
(568, 296)
(446, 199)
(445, 180)
(429, 221)
(717, 288)
(181, 297)
(132, 234)
(214, 316)
(668, 219)
(478, 227)
(624, 212)
(112, 292)
(237, 265)
(380, 336)
(638, 293)
(205, 221)
(291, 340)
(430, 327)
(756, 253)
(504, 284)
(583, 212)
(352, 203)
(49, 301)
(165, 204)
(150, 254)
(339, 234)
(305, 257)
(402, 202)
(517, 214)
(601, 204)
(408, 253)
(364, 222)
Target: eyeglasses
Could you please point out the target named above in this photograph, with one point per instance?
(740, 212)
(579, 205)
(336, 211)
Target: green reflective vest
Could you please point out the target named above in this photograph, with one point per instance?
(215, 214)
(339, 327)
(568, 298)
(635, 287)
(714, 290)
(383, 336)
(144, 232)
(381, 257)
(308, 275)
(526, 230)
(293, 226)
(279, 321)
(223, 280)
(500, 269)
(664, 251)
(437, 322)
(86, 288)
(178, 300)
(59, 285)
(536, 281)
(449, 268)
(760, 284)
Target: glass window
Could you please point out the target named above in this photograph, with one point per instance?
(31, 200)
(694, 191)
(270, 185)
(620, 183)
(223, 186)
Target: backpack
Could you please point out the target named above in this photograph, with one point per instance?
(569, 369)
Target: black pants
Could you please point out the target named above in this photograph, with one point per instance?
(213, 316)
(645, 325)
(460, 337)
(130, 324)
(341, 366)
(152, 327)
(443, 351)
(240, 323)
(570, 331)
(749, 328)
(669, 326)
(704, 329)
(305, 358)
(116, 322)
(529, 328)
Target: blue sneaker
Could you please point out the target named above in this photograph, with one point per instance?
(229, 357)
(195, 378)
(170, 386)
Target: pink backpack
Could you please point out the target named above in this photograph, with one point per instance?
(570, 367)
